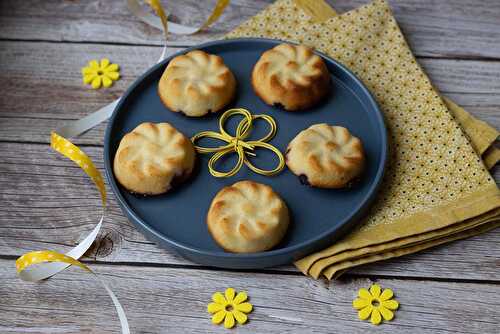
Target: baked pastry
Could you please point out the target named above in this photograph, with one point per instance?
(291, 76)
(196, 84)
(153, 158)
(325, 156)
(247, 217)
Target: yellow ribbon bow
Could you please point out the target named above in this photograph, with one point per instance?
(238, 144)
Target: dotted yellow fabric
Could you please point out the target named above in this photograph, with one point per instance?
(435, 179)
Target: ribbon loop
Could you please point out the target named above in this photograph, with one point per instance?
(238, 144)
(279, 167)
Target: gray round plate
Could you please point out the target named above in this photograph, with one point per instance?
(319, 216)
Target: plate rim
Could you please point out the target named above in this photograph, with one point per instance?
(363, 204)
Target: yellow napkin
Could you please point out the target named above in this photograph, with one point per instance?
(437, 188)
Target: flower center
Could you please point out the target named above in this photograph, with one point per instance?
(375, 303)
(100, 72)
(229, 307)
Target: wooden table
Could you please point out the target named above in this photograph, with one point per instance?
(47, 203)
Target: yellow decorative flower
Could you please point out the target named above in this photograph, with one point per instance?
(229, 307)
(376, 303)
(103, 73)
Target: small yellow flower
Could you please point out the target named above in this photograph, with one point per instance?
(229, 307)
(376, 303)
(103, 73)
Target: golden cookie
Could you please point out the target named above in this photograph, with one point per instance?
(247, 217)
(152, 158)
(196, 84)
(325, 156)
(291, 76)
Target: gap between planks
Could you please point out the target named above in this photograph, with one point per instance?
(174, 300)
(271, 271)
(182, 46)
(436, 28)
(472, 84)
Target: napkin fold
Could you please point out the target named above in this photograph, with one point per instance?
(437, 187)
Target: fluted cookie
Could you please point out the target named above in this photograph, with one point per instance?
(152, 158)
(291, 76)
(325, 156)
(247, 217)
(196, 84)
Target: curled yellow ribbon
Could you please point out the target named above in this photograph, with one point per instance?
(238, 144)
(39, 265)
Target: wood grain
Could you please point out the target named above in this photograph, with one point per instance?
(173, 300)
(460, 28)
(47, 202)
(42, 89)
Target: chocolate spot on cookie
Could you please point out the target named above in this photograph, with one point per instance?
(177, 180)
(278, 105)
(175, 183)
(286, 155)
(354, 182)
(304, 180)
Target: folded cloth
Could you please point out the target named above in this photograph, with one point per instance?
(436, 188)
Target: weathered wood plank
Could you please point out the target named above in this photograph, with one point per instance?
(50, 75)
(458, 28)
(173, 300)
(47, 202)
(42, 89)
(450, 29)
(112, 22)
